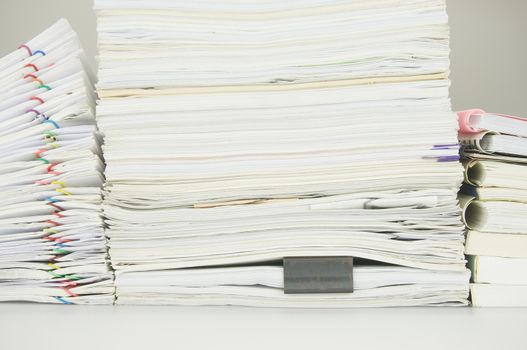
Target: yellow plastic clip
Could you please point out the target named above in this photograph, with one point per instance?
(61, 189)
(50, 230)
(55, 267)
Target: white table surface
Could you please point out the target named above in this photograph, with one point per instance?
(33, 326)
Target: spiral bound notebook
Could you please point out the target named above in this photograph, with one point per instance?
(52, 243)
(239, 133)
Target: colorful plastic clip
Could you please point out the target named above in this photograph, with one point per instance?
(32, 66)
(27, 49)
(36, 98)
(65, 302)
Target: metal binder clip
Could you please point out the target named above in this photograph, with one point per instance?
(318, 275)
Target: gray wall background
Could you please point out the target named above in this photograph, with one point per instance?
(488, 45)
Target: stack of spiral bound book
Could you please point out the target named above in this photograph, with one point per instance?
(494, 200)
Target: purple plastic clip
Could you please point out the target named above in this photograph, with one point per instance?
(454, 158)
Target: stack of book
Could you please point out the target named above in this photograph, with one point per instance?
(495, 206)
(239, 133)
(52, 243)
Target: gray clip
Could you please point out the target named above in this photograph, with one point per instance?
(318, 275)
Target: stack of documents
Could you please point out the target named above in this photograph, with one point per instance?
(52, 243)
(237, 133)
(495, 206)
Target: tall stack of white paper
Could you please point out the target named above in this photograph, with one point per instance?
(52, 243)
(241, 132)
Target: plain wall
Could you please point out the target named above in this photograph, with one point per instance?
(488, 45)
